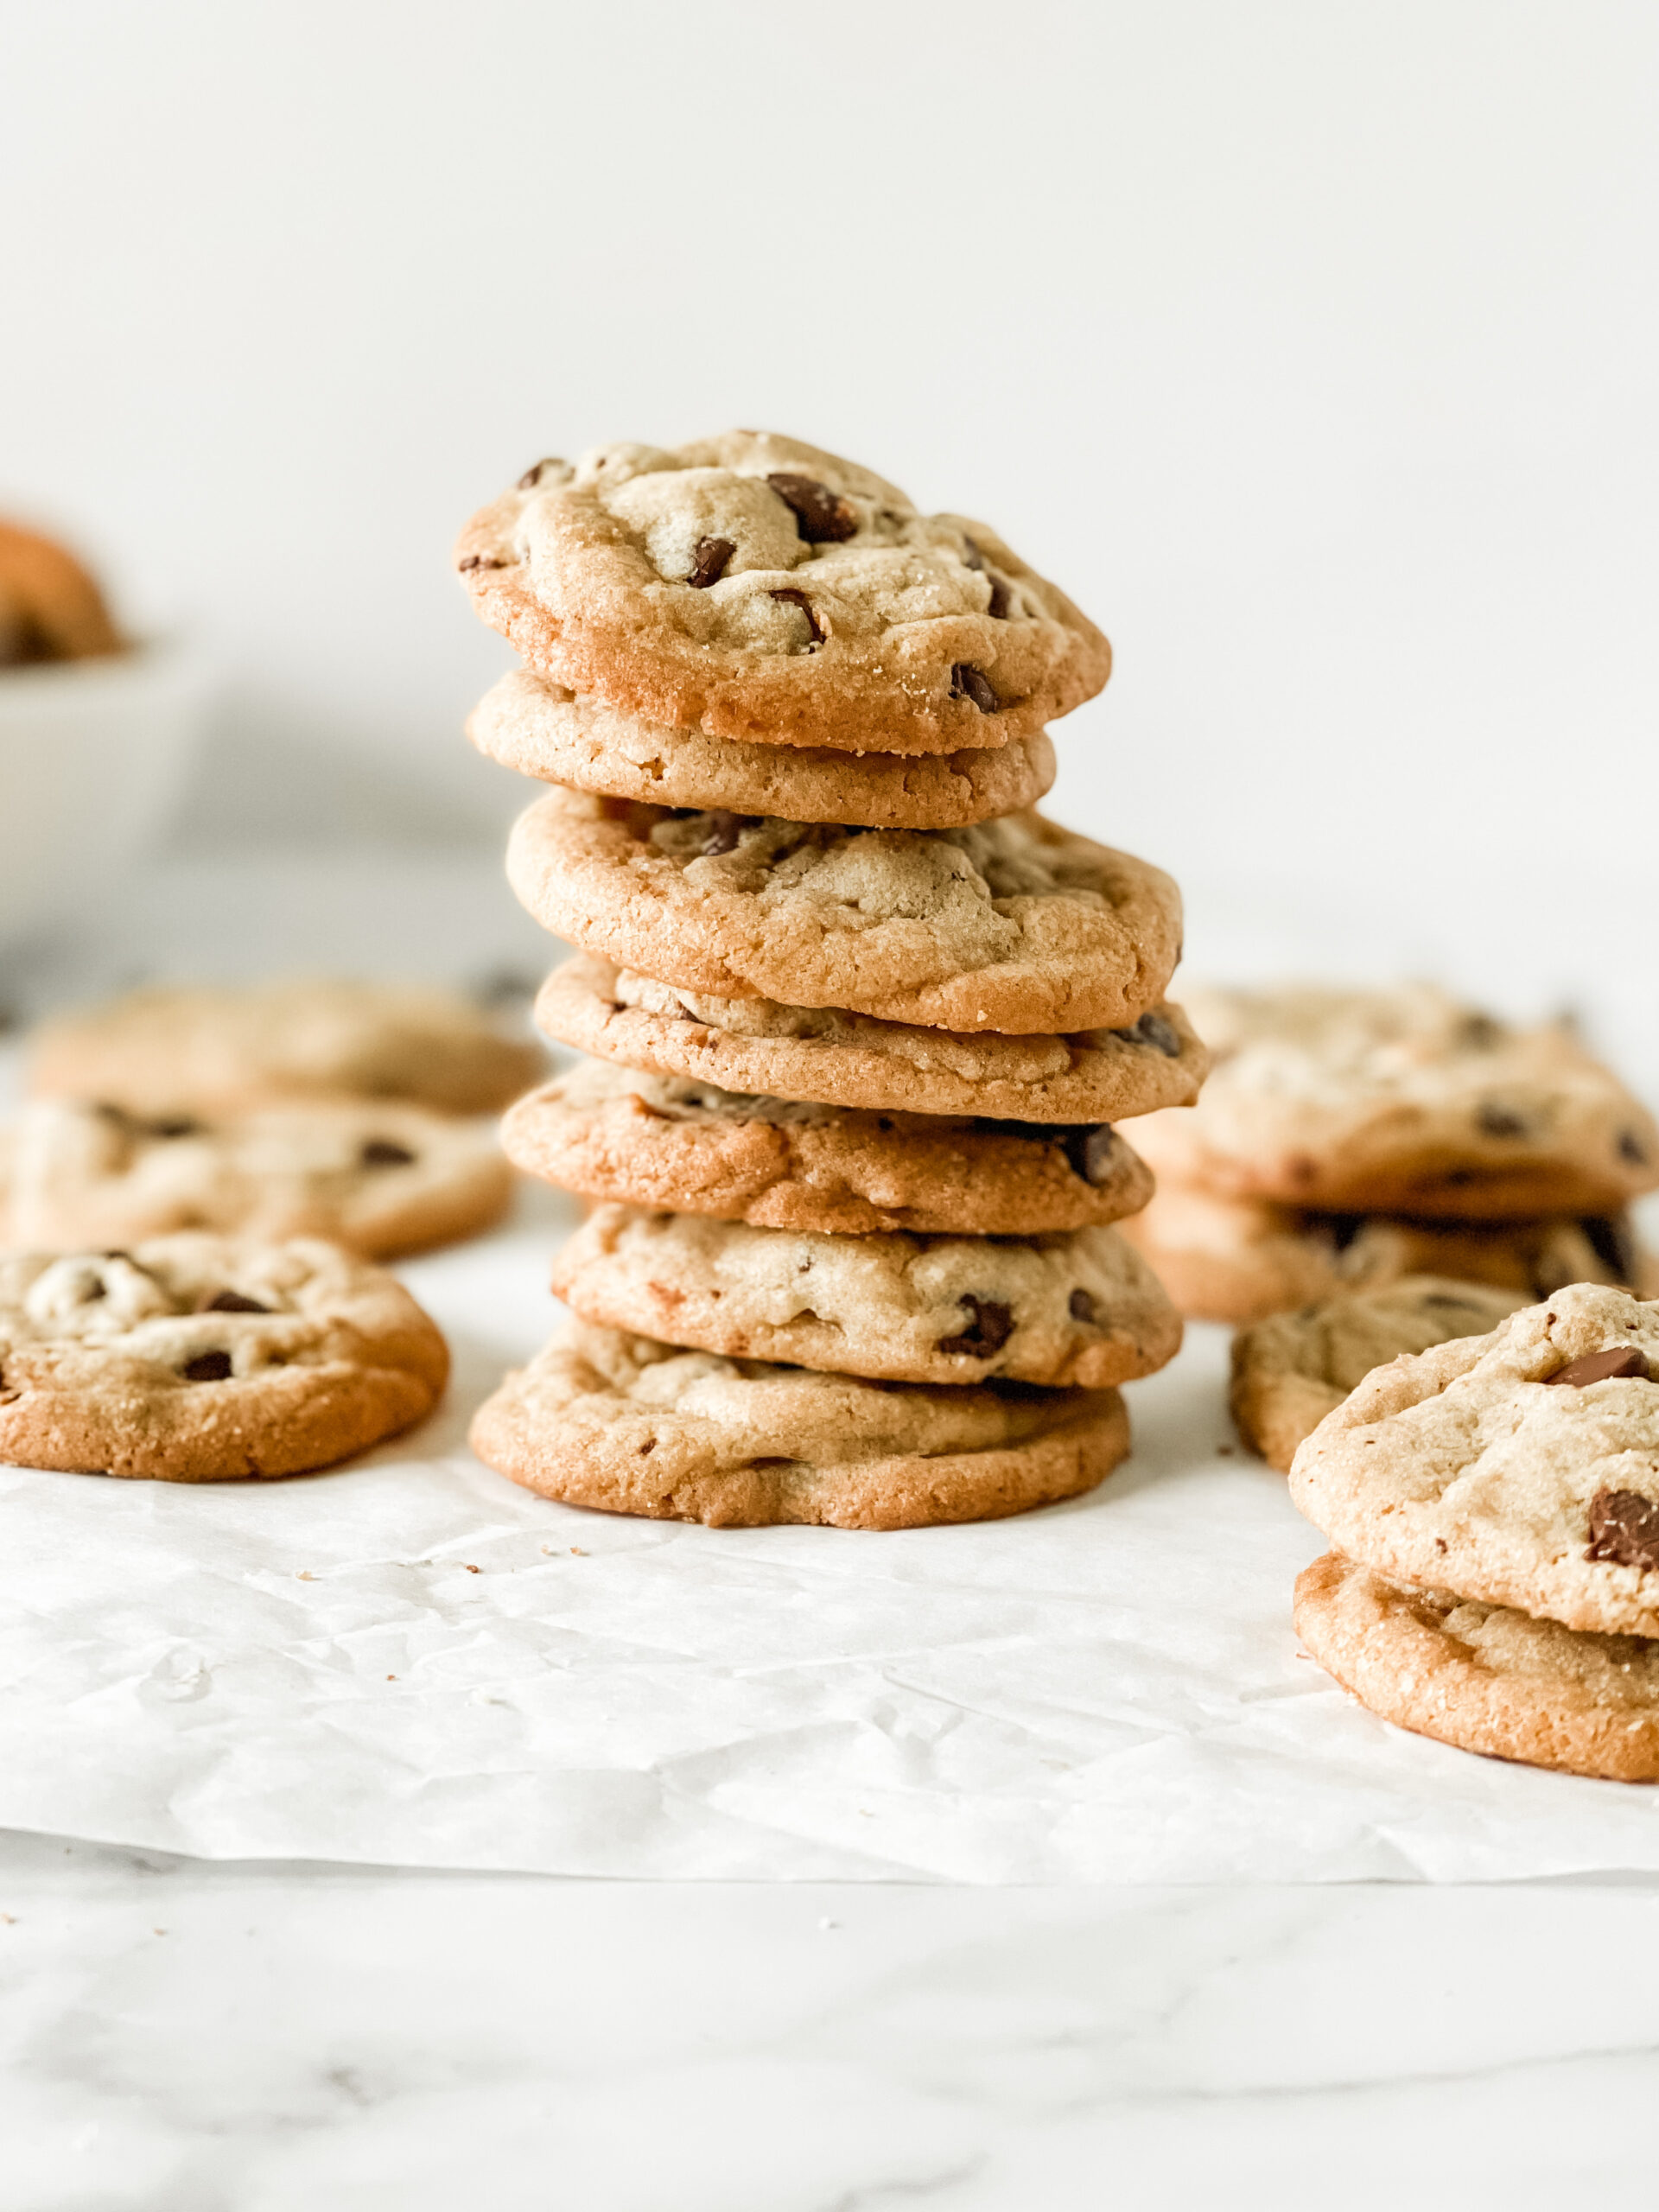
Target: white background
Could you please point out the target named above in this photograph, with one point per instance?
(1311, 346)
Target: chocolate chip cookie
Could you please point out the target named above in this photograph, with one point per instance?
(541, 729)
(1402, 1102)
(624, 1425)
(1014, 925)
(380, 1178)
(761, 589)
(1290, 1371)
(185, 1050)
(835, 1058)
(196, 1358)
(664, 1142)
(51, 608)
(1484, 1677)
(1240, 1259)
(1074, 1308)
(1520, 1468)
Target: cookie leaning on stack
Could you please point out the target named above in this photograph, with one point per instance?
(1494, 1512)
(1349, 1138)
(861, 1018)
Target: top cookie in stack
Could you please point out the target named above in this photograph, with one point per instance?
(866, 1018)
(1350, 1137)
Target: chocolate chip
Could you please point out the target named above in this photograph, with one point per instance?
(1152, 1029)
(382, 1152)
(822, 516)
(172, 1125)
(991, 1326)
(791, 597)
(725, 829)
(1618, 1364)
(971, 554)
(119, 1255)
(1611, 1242)
(1631, 1148)
(1341, 1229)
(532, 475)
(1091, 1151)
(1000, 599)
(968, 682)
(481, 561)
(708, 564)
(1082, 1307)
(1495, 1120)
(1623, 1529)
(232, 1301)
(207, 1367)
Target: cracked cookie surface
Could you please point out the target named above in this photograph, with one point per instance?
(1014, 925)
(1520, 1468)
(664, 1142)
(836, 1059)
(759, 588)
(197, 1358)
(1080, 1308)
(1402, 1100)
(541, 729)
(625, 1425)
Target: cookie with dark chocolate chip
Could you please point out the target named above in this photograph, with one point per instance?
(893, 1307)
(196, 1358)
(622, 1424)
(1484, 1677)
(1519, 1468)
(1239, 1260)
(380, 1178)
(531, 723)
(760, 589)
(1402, 1102)
(835, 1058)
(1015, 926)
(652, 1140)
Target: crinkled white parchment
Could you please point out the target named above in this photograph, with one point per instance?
(413, 1661)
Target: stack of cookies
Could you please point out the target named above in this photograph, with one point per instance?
(860, 1019)
(1494, 1507)
(1350, 1137)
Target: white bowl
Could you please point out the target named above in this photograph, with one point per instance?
(92, 757)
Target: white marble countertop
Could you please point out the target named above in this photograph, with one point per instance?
(189, 2036)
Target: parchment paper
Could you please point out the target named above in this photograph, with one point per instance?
(412, 1662)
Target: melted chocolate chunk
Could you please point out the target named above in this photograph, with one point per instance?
(232, 1301)
(1341, 1229)
(532, 475)
(1480, 1034)
(710, 563)
(1152, 1029)
(971, 554)
(207, 1367)
(1092, 1150)
(172, 1125)
(791, 597)
(481, 561)
(1618, 1364)
(1630, 1148)
(989, 1329)
(383, 1152)
(1611, 1239)
(1623, 1529)
(1495, 1120)
(725, 829)
(1082, 1307)
(1000, 599)
(822, 516)
(968, 682)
